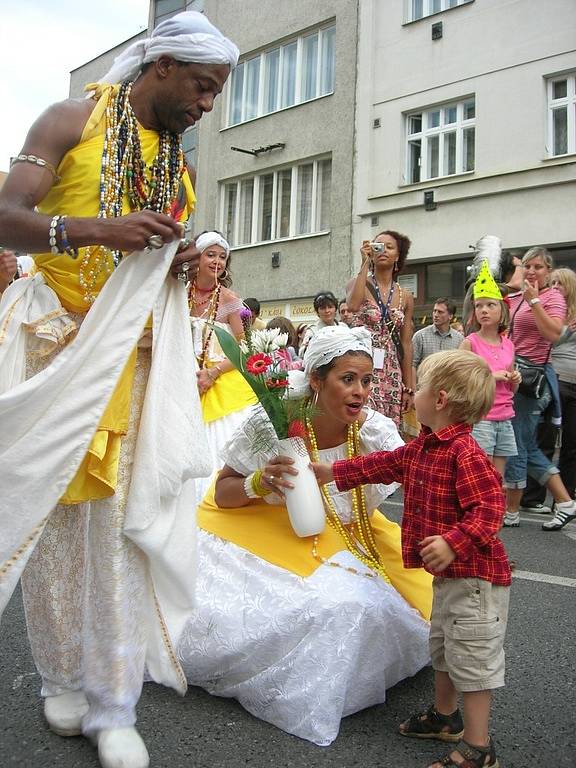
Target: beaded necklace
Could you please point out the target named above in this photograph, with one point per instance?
(358, 537)
(211, 312)
(123, 169)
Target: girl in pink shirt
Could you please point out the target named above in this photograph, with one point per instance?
(495, 434)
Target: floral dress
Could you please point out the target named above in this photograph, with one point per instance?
(386, 394)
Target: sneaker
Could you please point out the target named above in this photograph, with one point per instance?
(537, 508)
(512, 519)
(561, 518)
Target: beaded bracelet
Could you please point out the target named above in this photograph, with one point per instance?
(408, 390)
(65, 246)
(52, 234)
(253, 487)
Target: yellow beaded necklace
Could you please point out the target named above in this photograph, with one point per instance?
(358, 537)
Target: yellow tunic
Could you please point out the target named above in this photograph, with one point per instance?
(78, 194)
(265, 530)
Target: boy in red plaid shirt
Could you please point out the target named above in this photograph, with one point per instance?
(453, 510)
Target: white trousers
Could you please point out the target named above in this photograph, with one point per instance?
(84, 589)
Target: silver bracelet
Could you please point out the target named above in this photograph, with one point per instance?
(52, 234)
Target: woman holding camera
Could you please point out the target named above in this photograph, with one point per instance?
(385, 309)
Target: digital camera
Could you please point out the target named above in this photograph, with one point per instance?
(377, 247)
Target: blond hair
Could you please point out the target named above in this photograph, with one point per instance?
(466, 379)
(567, 280)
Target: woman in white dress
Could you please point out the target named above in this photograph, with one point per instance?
(300, 630)
(225, 396)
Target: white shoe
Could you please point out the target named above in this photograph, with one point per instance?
(512, 519)
(563, 514)
(64, 712)
(122, 748)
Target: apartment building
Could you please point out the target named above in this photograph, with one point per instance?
(466, 125)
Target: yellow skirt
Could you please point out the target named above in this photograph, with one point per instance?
(265, 530)
(229, 393)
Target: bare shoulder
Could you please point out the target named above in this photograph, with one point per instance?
(58, 129)
(226, 295)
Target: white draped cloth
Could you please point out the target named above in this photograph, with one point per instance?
(300, 653)
(47, 423)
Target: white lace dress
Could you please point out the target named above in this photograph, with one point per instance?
(300, 653)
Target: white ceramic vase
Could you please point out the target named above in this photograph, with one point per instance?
(304, 501)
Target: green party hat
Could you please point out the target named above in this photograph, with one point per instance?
(485, 287)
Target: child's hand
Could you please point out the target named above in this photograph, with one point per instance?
(436, 553)
(323, 472)
(515, 378)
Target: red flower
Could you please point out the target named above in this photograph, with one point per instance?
(297, 429)
(258, 363)
(276, 383)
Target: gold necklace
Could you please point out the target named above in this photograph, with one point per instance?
(358, 537)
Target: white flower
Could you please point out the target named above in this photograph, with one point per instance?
(266, 340)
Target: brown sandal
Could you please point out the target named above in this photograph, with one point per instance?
(474, 757)
(433, 725)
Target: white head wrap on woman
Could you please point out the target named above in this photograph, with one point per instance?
(188, 37)
(327, 344)
(206, 239)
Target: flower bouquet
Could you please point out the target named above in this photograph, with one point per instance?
(264, 371)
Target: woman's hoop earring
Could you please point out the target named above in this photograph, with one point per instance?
(225, 275)
(315, 398)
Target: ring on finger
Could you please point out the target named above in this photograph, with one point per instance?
(155, 241)
(271, 479)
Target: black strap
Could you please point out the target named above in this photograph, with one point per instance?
(391, 328)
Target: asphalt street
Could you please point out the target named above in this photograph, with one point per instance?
(534, 717)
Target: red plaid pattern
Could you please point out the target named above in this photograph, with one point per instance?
(450, 489)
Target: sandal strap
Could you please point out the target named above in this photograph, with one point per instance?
(474, 757)
(430, 721)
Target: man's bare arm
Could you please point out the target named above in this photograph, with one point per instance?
(55, 132)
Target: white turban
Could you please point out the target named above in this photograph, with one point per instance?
(188, 37)
(327, 344)
(206, 239)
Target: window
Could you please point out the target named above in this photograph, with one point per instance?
(418, 9)
(279, 204)
(562, 115)
(440, 141)
(289, 74)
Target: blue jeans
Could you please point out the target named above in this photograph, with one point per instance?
(530, 459)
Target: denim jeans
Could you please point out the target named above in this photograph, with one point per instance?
(530, 459)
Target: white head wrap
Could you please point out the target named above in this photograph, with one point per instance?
(188, 37)
(206, 239)
(326, 344)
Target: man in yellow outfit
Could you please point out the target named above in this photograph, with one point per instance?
(97, 179)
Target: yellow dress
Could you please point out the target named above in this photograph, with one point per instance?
(97, 475)
(298, 642)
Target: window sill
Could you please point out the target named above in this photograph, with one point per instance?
(276, 112)
(567, 156)
(437, 180)
(245, 246)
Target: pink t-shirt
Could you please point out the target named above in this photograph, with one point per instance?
(525, 334)
(499, 358)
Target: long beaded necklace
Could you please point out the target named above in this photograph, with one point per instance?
(359, 537)
(123, 167)
(211, 312)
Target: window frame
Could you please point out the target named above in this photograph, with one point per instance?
(317, 207)
(429, 133)
(322, 89)
(429, 9)
(552, 104)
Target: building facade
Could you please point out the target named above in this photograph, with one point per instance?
(466, 126)
(276, 156)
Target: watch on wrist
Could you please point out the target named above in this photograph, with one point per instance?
(533, 301)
